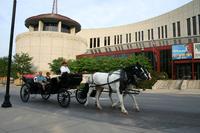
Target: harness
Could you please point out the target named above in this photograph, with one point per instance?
(122, 79)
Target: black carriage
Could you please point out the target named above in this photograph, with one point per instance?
(58, 85)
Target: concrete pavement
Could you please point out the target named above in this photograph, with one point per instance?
(160, 112)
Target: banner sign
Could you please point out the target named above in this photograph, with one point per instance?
(196, 50)
(181, 51)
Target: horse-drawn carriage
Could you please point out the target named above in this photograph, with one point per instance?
(58, 85)
(120, 81)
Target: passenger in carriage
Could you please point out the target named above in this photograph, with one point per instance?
(48, 77)
(40, 79)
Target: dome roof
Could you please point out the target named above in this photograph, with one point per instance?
(52, 18)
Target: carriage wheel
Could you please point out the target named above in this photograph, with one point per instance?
(80, 96)
(25, 93)
(63, 98)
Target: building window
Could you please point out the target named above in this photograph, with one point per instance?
(98, 42)
(126, 38)
(158, 32)
(91, 42)
(136, 36)
(129, 37)
(139, 36)
(50, 27)
(174, 29)
(121, 39)
(148, 34)
(179, 28)
(105, 41)
(162, 31)
(194, 22)
(152, 37)
(199, 23)
(142, 35)
(109, 40)
(165, 31)
(94, 42)
(115, 39)
(188, 27)
(65, 28)
(35, 27)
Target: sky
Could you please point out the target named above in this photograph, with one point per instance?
(89, 13)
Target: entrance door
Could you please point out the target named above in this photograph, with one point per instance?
(184, 71)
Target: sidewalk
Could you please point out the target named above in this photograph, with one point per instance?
(173, 91)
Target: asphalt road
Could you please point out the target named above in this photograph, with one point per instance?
(159, 113)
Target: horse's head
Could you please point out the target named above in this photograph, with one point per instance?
(139, 71)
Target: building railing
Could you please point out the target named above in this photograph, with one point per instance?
(144, 44)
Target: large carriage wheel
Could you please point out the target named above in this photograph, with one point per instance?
(80, 96)
(25, 93)
(63, 98)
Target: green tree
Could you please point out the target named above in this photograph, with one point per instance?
(22, 63)
(3, 66)
(56, 64)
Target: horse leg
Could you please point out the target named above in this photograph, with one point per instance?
(120, 96)
(110, 96)
(98, 93)
(135, 102)
(118, 102)
(88, 95)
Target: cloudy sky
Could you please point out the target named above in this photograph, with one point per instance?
(89, 13)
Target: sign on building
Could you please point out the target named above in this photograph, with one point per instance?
(196, 50)
(181, 51)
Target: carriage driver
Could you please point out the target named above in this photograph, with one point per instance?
(41, 79)
(64, 68)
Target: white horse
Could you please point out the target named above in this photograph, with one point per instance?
(117, 81)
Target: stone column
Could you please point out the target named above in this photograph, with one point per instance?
(59, 26)
(72, 31)
(41, 25)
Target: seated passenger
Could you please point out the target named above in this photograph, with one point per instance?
(41, 79)
(48, 77)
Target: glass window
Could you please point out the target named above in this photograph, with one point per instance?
(194, 22)
(35, 27)
(120, 38)
(109, 40)
(98, 42)
(91, 42)
(50, 27)
(65, 29)
(115, 39)
(136, 36)
(162, 31)
(148, 34)
(199, 23)
(165, 31)
(94, 42)
(152, 37)
(105, 41)
(139, 36)
(129, 37)
(179, 28)
(126, 38)
(188, 27)
(142, 35)
(158, 32)
(174, 29)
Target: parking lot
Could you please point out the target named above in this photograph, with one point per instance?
(159, 113)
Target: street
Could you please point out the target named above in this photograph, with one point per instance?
(159, 113)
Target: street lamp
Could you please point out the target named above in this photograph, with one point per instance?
(6, 102)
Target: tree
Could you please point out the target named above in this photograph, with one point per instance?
(3, 66)
(22, 63)
(56, 64)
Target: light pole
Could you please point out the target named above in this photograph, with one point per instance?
(6, 102)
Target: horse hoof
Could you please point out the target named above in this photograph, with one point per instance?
(137, 110)
(125, 113)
